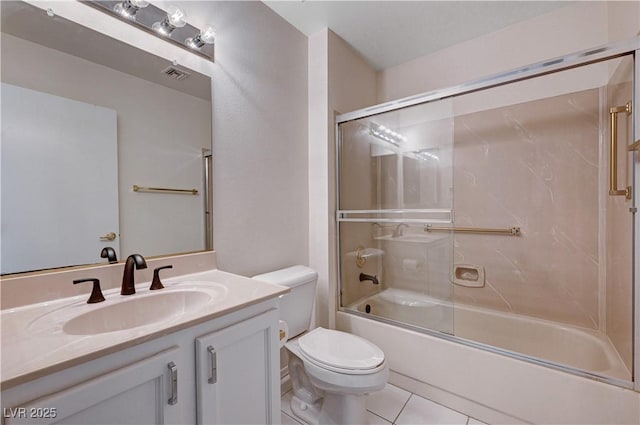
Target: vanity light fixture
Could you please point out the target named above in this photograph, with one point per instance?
(171, 25)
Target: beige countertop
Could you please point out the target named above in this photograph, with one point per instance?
(34, 343)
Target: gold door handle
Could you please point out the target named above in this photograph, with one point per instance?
(108, 237)
(613, 152)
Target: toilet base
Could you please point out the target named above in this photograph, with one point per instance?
(332, 409)
(309, 413)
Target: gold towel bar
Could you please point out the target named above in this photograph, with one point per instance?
(512, 231)
(137, 188)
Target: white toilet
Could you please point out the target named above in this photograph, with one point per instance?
(331, 371)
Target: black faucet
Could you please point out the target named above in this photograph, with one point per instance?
(373, 279)
(110, 254)
(128, 282)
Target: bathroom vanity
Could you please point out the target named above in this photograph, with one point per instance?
(211, 358)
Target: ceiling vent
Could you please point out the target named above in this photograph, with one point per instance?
(175, 73)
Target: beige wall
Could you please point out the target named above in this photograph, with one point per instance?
(260, 182)
(340, 80)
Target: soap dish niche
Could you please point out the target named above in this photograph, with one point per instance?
(469, 275)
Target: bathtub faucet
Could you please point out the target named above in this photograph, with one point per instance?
(398, 231)
(373, 279)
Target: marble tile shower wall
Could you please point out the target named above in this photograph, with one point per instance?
(533, 165)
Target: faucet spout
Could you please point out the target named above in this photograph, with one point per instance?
(110, 254)
(398, 230)
(134, 261)
(373, 279)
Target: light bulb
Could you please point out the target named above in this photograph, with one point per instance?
(176, 16)
(129, 8)
(139, 3)
(208, 34)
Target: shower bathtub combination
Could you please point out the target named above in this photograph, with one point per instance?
(496, 218)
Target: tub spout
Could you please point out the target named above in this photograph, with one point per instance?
(373, 279)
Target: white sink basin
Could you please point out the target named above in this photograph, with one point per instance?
(136, 311)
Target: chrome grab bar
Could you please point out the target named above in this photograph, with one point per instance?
(137, 188)
(512, 231)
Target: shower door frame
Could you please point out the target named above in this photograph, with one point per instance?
(573, 60)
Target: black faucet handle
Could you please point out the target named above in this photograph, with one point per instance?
(156, 284)
(110, 254)
(96, 293)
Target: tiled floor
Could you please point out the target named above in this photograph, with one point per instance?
(394, 405)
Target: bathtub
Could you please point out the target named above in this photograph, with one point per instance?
(542, 340)
(484, 374)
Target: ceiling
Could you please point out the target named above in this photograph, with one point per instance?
(388, 33)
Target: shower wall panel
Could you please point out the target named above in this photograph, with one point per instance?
(532, 165)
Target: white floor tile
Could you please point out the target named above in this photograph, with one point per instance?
(473, 421)
(376, 420)
(388, 402)
(425, 412)
(287, 420)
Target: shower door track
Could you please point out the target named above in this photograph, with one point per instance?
(584, 57)
(562, 63)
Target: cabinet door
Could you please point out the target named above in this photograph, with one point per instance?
(237, 373)
(136, 394)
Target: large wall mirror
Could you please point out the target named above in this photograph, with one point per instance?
(84, 119)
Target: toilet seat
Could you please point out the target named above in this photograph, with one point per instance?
(341, 352)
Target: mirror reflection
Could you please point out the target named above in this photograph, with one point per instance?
(84, 119)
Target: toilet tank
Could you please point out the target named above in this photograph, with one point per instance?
(297, 305)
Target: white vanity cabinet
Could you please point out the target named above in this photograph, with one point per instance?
(165, 380)
(235, 370)
(144, 392)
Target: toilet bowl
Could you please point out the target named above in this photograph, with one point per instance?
(331, 371)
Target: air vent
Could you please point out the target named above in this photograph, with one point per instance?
(175, 73)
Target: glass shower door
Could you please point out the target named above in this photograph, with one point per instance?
(548, 155)
(537, 261)
(395, 184)
(617, 220)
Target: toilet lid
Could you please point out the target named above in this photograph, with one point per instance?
(340, 350)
